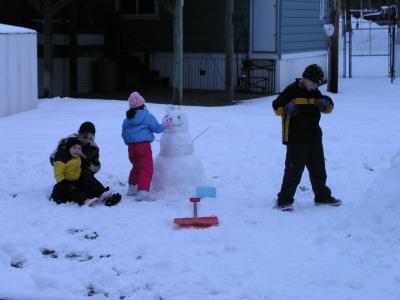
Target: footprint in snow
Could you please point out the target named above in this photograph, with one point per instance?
(74, 230)
(17, 263)
(91, 236)
(49, 253)
(78, 256)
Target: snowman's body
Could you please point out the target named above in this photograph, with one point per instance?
(177, 167)
(176, 144)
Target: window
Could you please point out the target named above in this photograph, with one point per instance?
(138, 9)
(323, 9)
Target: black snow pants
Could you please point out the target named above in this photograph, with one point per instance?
(298, 156)
(78, 191)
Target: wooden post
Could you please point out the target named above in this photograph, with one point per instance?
(397, 45)
(349, 31)
(48, 51)
(229, 51)
(178, 53)
(48, 10)
(73, 49)
(344, 35)
(334, 49)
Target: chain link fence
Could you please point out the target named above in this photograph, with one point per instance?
(367, 50)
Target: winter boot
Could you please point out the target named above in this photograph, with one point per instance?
(283, 205)
(132, 190)
(144, 196)
(113, 200)
(100, 200)
(103, 197)
(332, 201)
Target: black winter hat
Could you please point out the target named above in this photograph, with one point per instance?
(72, 141)
(314, 73)
(87, 127)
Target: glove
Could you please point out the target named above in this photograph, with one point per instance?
(168, 123)
(322, 104)
(291, 110)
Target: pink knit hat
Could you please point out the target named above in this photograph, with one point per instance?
(135, 100)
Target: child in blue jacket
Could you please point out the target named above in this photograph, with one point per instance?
(137, 133)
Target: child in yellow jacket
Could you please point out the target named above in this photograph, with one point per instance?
(71, 185)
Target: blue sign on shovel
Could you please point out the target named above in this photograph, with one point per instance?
(206, 191)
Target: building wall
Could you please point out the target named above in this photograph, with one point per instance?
(147, 34)
(301, 28)
(302, 40)
(194, 63)
(291, 66)
(18, 76)
(203, 41)
(204, 25)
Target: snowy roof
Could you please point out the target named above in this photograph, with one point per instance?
(8, 29)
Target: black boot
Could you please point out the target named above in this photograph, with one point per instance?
(283, 205)
(332, 201)
(113, 200)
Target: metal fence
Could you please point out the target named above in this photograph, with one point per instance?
(207, 72)
(201, 71)
(367, 49)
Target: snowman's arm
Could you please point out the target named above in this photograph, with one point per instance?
(201, 133)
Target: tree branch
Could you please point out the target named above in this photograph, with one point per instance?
(59, 5)
(36, 5)
(169, 5)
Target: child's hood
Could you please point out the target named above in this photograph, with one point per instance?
(62, 155)
(139, 117)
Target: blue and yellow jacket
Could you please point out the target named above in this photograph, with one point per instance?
(305, 126)
(66, 167)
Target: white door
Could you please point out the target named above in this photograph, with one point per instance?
(263, 25)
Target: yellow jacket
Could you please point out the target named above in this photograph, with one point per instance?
(66, 167)
(305, 126)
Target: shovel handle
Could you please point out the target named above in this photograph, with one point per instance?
(195, 200)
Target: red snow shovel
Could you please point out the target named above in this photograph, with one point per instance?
(199, 222)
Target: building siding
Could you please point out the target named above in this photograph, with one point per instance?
(301, 28)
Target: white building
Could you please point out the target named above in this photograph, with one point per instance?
(18, 69)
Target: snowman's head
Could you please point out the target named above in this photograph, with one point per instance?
(178, 119)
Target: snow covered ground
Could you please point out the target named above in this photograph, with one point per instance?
(133, 251)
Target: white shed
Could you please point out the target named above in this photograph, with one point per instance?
(18, 69)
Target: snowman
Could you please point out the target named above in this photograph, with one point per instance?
(177, 168)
